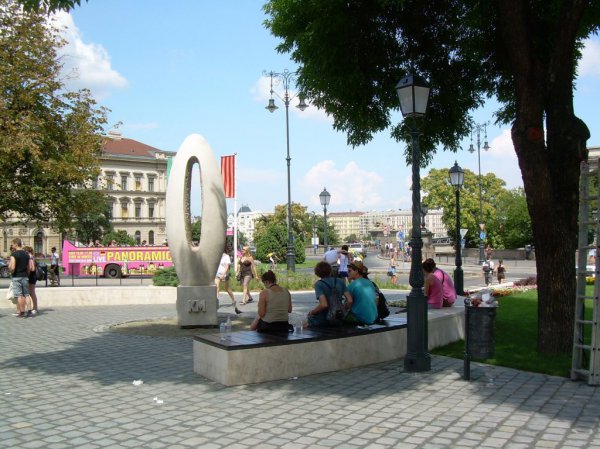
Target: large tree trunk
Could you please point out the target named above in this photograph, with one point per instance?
(549, 164)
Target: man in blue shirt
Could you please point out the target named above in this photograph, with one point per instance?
(364, 296)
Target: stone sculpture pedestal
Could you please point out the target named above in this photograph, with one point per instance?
(428, 248)
(197, 306)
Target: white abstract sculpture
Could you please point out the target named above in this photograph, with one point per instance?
(196, 265)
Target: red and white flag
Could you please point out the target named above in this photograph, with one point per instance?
(228, 174)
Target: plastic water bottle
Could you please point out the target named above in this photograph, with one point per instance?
(222, 335)
(228, 329)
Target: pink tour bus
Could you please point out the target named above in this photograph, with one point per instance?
(114, 261)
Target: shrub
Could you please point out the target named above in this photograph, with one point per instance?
(165, 277)
(531, 280)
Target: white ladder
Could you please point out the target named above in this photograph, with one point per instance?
(586, 358)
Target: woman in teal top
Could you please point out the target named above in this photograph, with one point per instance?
(364, 296)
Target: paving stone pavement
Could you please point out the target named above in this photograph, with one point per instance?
(66, 382)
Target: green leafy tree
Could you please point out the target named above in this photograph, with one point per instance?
(120, 236)
(91, 225)
(438, 193)
(196, 229)
(49, 5)
(272, 237)
(352, 238)
(50, 138)
(351, 54)
(514, 223)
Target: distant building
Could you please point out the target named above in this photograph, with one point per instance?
(247, 221)
(379, 223)
(133, 176)
(346, 224)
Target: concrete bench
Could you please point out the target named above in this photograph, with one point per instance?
(251, 357)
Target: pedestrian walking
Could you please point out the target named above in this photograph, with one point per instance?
(501, 271)
(55, 266)
(20, 265)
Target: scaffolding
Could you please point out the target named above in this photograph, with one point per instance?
(586, 360)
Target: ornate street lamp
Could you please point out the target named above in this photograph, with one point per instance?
(457, 178)
(315, 241)
(325, 197)
(478, 128)
(285, 78)
(413, 93)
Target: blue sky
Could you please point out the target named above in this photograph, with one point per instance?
(169, 69)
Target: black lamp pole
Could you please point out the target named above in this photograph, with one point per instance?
(325, 197)
(285, 78)
(413, 93)
(457, 177)
(478, 127)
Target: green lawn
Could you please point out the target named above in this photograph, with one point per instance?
(516, 338)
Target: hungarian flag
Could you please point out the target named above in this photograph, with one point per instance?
(228, 174)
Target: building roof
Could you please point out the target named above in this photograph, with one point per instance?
(244, 208)
(116, 145)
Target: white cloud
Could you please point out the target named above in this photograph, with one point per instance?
(590, 60)
(502, 146)
(86, 65)
(351, 187)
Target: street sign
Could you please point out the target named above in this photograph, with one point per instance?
(399, 235)
(230, 220)
(463, 232)
(482, 235)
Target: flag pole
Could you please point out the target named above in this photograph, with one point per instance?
(235, 216)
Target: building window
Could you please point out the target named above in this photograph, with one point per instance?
(138, 182)
(138, 237)
(110, 210)
(110, 182)
(124, 210)
(151, 184)
(38, 243)
(150, 210)
(151, 238)
(123, 182)
(95, 183)
(138, 210)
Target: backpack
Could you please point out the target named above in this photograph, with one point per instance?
(39, 272)
(335, 306)
(486, 267)
(382, 308)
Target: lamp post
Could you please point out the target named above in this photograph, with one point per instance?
(413, 93)
(315, 242)
(457, 178)
(324, 197)
(285, 78)
(478, 127)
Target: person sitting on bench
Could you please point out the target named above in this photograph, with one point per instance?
(274, 307)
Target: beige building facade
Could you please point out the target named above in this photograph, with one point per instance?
(134, 178)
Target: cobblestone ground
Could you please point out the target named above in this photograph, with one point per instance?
(67, 382)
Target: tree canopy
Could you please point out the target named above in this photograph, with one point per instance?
(351, 54)
(503, 211)
(50, 138)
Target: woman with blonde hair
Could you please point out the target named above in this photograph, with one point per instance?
(246, 270)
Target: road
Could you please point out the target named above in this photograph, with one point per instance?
(378, 266)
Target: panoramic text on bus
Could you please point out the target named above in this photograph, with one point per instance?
(114, 261)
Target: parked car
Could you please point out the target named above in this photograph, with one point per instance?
(4, 273)
(358, 249)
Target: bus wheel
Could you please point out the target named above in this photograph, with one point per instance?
(112, 271)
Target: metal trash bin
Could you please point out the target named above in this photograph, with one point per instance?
(479, 334)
